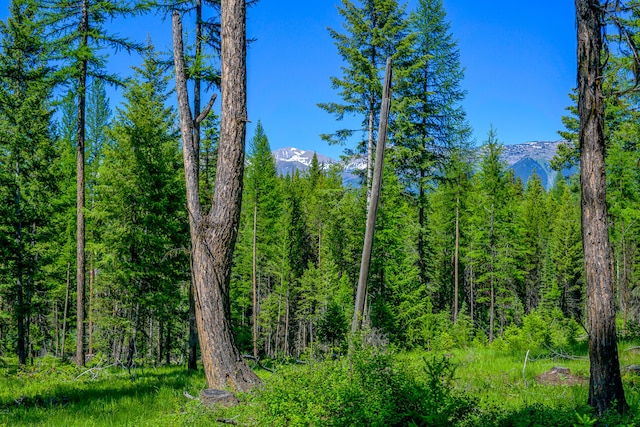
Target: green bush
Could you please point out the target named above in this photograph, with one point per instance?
(368, 387)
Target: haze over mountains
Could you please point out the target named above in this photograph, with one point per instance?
(522, 158)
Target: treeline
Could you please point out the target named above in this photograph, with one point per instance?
(463, 250)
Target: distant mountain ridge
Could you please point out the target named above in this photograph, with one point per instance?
(524, 159)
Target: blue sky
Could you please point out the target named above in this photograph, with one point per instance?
(519, 60)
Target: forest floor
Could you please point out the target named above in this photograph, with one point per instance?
(470, 387)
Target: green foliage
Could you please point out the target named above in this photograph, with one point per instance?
(368, 387)
(374, 31)
(29, 180)
(139, 210)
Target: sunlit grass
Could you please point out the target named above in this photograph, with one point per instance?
(504, 391)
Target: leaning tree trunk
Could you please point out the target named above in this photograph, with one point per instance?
(213, 235)
(605, 385)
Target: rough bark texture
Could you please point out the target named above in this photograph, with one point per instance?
(373, 205)
(605, 385)
(213, 235)
(80, 232)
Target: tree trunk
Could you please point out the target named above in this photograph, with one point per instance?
(456, 262)
(66, 309)
(372, 209)
(254, 279)
(167, 346)
(20, 297)
(605, 384)
(213, 236)
(193, 330)
(80, 234)
(92, 275)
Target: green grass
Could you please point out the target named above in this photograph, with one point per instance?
(489, 389)
(50, 394)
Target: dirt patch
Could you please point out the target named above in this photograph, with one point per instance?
(560, 376)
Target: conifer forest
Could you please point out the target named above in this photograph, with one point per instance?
(150, 251)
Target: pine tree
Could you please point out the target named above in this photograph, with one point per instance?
(535, 226)
(79, 30)
(27, 162)
(605, 384)
(140, 206)
(566, 287)
(448, 230)
(263, 201)
(214, 233)
(430, 119)
(374, 31)
(492, 257)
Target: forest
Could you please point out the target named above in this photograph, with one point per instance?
(144, 257)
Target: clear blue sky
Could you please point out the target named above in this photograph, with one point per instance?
(519, 60)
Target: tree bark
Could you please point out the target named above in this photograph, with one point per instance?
(456, 262)
(254, 279)
(213, 236)
(605, 384)
(80, 233)
(193, 330)
(373, 205)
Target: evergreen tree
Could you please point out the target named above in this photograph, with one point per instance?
(493, 257)
(566, 287)
(430, 119)
(374, 31)
(140, 204)
(448, 231)
(263, 202)
(534, 219)
(98, 118)
(27, 165)
(79, 28)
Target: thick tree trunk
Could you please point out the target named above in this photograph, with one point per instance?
(213, 236)
(605, 385)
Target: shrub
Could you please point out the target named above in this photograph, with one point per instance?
(368, 387)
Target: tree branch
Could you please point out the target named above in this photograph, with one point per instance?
(206, 110)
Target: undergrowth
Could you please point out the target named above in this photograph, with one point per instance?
(372, 386)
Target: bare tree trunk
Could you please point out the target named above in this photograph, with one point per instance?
(80, 234)
(255, 279)
(213, 235)
(66, 310)
(91, 280)
(456, 262)
(471, 297)
(492, 309)
(285, 348)
(605, 384)
(193, 330)
(373, 205)
(56, 320)
(167, 346)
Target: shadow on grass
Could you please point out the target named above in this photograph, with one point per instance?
(107, 390)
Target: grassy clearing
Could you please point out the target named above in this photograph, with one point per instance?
(472, 387)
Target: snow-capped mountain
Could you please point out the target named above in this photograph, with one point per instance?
(530, 156)
(522, 158)
(289, 159)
